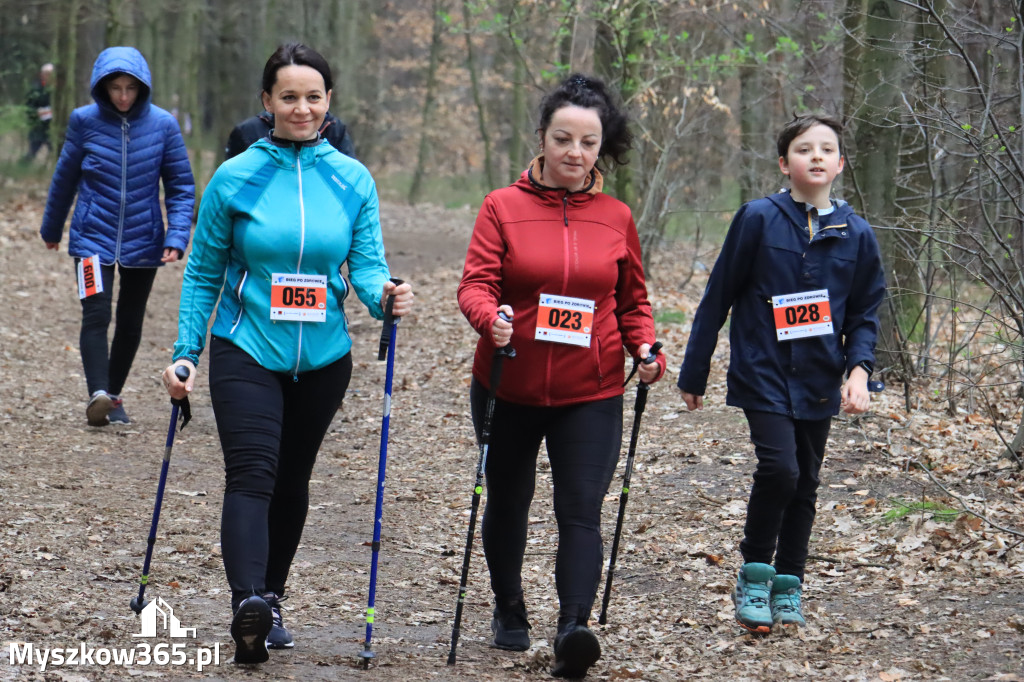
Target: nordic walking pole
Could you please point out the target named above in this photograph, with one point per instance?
(485, 439)
(638, 411)
(139, 602)
(385, 350)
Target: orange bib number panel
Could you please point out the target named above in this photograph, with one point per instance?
(798, 316)
(298, 298)
(563, 319)
(90, 281)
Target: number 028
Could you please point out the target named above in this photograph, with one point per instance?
(802, 314)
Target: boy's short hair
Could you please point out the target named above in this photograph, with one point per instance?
(800, 124)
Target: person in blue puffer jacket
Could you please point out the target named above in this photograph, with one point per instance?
(276, 225)
(115, 155)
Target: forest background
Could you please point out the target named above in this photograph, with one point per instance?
(441, 95)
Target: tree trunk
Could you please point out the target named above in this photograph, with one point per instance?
(581, 53)
(877, 138)
(481, 112)
(426, 118)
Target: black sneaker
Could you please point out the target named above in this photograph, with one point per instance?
(576, 649)
(249, 629)
(510, 627)
(279, 637)
(98, 408)
(117, 415)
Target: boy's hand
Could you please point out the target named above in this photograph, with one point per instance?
(695, 402)
(855, 396)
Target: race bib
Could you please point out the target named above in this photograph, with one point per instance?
(798, 316)
(562, 319)
(44, 113)
(90, 280)
(298, 298)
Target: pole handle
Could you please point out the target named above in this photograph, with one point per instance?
(390, 320)
(181, 371)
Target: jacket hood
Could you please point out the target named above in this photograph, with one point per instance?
(121, 60)
(797, 211)
(533, 178)
(284, 152)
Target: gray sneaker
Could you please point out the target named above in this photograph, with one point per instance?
(98, 411)
(279, 637)
(117, 414)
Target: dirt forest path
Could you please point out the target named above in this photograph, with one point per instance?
(885, 601)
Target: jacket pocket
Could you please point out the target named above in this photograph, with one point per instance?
(237, 290)
(341, 294)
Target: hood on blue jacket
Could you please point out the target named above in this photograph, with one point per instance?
(115, 60)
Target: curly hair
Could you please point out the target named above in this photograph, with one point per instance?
(591, 93)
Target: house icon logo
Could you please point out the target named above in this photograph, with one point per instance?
(170, 623)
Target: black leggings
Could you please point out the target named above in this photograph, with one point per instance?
(108, 370)
(270, 427)
(781, 510)
(583, 442)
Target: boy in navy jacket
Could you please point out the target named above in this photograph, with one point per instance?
(803, 277)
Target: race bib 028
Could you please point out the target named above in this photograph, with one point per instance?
(798, 316)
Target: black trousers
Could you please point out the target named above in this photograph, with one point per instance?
(271, 427)
(106, 368)
(784, 495)
(583, 443)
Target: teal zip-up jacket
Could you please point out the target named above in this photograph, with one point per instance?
(281, 208)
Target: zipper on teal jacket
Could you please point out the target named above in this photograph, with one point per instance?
(302, 246)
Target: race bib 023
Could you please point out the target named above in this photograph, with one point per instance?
(563, 319)
(798, 316)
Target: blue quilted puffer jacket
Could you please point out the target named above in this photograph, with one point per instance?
(114, 162)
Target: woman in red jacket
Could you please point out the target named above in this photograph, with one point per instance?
(562, 260)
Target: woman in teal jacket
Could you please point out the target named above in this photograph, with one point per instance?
(276, 224)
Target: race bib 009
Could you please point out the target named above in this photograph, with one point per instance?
(90, 280)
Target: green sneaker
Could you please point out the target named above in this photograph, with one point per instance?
(751, 596)
(785, 601)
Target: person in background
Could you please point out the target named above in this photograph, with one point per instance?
(116, 154)
(251, 129)
(803, 278)
(276, 225)
(552, 246)
(40, 113)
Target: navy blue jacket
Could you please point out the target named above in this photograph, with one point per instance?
(772, 249)
(114, 162)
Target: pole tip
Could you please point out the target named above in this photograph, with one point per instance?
(136, 606)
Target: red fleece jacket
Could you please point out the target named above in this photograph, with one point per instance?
(529, 239)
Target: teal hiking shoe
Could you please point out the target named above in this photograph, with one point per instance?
(751, 597)
(785, 601)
